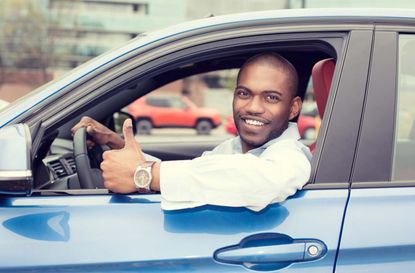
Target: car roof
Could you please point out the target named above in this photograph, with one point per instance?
(329, 16)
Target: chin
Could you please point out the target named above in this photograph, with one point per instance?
(253, 143)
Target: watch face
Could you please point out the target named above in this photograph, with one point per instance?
(143, 177)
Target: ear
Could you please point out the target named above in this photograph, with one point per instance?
(296, 105)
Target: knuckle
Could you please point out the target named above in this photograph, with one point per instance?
(106, 155)
(86, 119)
(108, 185)
(103, 167)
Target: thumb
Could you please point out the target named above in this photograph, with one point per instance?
(128, 133)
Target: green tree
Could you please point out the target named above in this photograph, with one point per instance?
(23, 30)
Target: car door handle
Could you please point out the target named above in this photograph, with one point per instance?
(271, 250)
(294, 252)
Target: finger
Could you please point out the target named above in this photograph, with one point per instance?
(90, 144)
(82, 123)
(107, 185)
(74, 129)
(90, 130)
(130, 142)
(106, 155)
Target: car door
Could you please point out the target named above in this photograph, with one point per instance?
(379, 227)
(86, 231)
(181, 115)
(161, 114)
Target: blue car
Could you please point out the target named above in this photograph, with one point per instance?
(354, 215)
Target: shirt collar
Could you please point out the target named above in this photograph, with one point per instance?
(290, 133)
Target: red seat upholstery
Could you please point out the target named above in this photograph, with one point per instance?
(322, 74)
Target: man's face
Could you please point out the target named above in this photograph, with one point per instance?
(262, 105)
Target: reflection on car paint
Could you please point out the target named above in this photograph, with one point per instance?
(224, 220)
(49, 226)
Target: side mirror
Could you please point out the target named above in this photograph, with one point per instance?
(15, 172)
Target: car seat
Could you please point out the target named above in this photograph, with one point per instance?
(322, 75)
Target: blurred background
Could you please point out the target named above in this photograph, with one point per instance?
(42, 39)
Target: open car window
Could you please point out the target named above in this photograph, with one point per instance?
(182, 119)
(181, 105)
(199, 108)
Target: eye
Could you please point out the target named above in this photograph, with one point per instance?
(242, 94)
(271, 98)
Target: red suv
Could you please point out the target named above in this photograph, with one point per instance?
(172, 111)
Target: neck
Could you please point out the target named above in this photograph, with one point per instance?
(246, 147)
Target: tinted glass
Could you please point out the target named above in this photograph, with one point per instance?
(159, 102)
(177, 103)
(404, 155)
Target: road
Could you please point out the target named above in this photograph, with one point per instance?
(188, 135)
(182, 135)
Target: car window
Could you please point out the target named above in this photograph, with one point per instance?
(177, 103)
(158, 102)
(404, 154)
(208, 100)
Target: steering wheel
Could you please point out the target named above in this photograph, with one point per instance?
(89, 177)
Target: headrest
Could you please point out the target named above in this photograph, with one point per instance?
(322, 75)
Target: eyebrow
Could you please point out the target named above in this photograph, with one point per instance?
(265, 91)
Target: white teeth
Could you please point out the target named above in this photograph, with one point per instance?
(254, 122)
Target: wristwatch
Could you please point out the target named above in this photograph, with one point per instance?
(142, 176)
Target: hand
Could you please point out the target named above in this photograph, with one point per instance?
(100, 134)
(118, 166)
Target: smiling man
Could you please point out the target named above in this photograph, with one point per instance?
(265, 99)
(265, 164)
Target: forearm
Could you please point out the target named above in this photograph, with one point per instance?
(231, 180)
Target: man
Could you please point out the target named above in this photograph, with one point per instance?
(265, 164)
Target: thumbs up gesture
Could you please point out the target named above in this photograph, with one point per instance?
(118, 166)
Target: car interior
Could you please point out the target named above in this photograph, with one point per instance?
(55, 168)
(322, 75)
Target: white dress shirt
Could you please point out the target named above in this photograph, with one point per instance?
(227, 177)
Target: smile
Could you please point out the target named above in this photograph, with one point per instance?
(253, 122)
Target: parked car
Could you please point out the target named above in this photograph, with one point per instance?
(354, 215)
(230, 125)
(172, 112)
(307, 126)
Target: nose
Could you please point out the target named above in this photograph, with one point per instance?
(255, 105)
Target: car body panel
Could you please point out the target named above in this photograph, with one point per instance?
(377, 228)
(60, 228)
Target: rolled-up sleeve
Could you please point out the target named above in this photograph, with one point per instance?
(235, 180)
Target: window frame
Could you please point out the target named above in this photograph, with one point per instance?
(339, 40)
(341, 121)
(378, 125)
(381, 106)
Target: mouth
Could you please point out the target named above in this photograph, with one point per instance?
(254, 121)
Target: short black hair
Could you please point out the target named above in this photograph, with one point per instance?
(277, 61)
